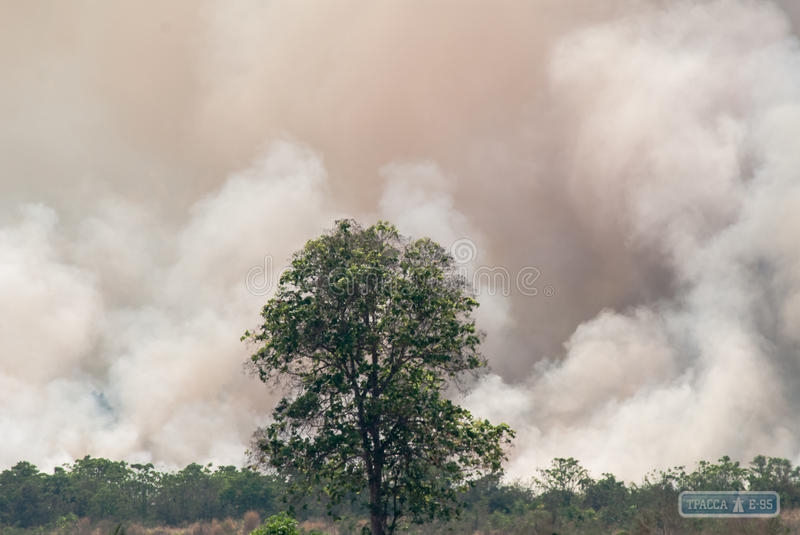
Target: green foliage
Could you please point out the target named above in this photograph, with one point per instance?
(21, 485)
(369, 329)
(100, 488)
(560, 485)
(604, 505)
(725, 475)
(565, 476)
(610, 498)
(775, 474)
(278, 524)
(115, 491)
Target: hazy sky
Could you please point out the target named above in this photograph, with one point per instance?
(627, 170)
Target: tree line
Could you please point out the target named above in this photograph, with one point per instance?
(563, 498)
(99, 488)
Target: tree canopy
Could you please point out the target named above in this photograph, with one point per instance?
(368, 330)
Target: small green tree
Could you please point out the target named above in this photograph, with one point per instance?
(278, 524)
(609, 497)
(655, 498)
(775, 473)
(370, 329)
(21, 492)
(724, 475)
(564, 479)
(560, 485)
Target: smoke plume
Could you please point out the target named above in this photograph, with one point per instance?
(617, 179)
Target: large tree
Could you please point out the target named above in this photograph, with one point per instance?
(368, 330)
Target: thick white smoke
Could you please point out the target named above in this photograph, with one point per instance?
(155, 371)
(618, 178)
(685, 146)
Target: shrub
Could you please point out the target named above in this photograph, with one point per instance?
(279, 524)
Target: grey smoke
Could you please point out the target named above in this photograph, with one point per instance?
(641, 155)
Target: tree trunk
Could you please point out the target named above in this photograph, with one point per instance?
(377, 513)
(376, 516)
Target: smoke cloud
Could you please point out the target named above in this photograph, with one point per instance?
(617, 179)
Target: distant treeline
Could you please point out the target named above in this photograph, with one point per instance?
(114, 490)
(563, 498)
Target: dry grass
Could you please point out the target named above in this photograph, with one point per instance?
(251, 521)
(787, 523)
